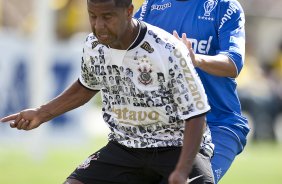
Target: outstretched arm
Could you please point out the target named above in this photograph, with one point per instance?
(73, 97)
(192, 139)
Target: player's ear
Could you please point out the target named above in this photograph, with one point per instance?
(130, 11)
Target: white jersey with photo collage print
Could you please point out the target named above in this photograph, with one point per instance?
(147, 90)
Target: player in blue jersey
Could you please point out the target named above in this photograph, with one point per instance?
(215, 30)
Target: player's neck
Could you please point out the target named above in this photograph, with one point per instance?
(135, 31)
(129, 36)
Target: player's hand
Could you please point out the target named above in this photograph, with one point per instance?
(188, 44)
(177, 178)
(25, 120)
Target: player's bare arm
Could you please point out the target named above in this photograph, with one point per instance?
(219, 65)
(193, 133)
(73, 97)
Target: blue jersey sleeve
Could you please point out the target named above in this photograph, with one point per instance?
(231, 23)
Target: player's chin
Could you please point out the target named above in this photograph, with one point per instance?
(103, 39)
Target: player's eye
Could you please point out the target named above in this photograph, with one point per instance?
(92, 16)
(107, 17)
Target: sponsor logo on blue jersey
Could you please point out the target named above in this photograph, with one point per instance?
(201, 46)
(143, 10)
(160, 6)
(232, 9)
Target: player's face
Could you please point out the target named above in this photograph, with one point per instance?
(109, 23)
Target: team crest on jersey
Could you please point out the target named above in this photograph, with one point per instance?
(146, 46)
(86, 163)
(209, 6)
(145, 70)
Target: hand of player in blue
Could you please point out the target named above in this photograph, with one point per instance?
(188, 44)
(25, 120)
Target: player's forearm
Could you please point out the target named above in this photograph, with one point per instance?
(192, 139)
(218, 65)
(73, 97)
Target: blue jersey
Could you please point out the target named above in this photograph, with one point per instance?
(213, 27)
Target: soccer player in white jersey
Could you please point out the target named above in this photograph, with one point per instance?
(216, 33)
(156, 132)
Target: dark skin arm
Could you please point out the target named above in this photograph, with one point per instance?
(193, 133)
(73, 97)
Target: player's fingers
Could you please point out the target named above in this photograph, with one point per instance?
(32, 125)
(184, 37)
(9, 118)
(20, 124)
(16, 117)
(175, 34)
(17, 121)
(185, 40)
(193, 57)
(189, 44)
(25, 125)
(191, 51)
(13, 125)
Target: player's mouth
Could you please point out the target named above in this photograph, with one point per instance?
(103, 37)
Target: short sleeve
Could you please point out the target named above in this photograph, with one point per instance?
(88, 69)
(231, 23)
(187, 89)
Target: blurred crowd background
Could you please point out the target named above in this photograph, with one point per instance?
(40, 45)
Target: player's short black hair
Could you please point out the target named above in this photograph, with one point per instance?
(118, 3)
